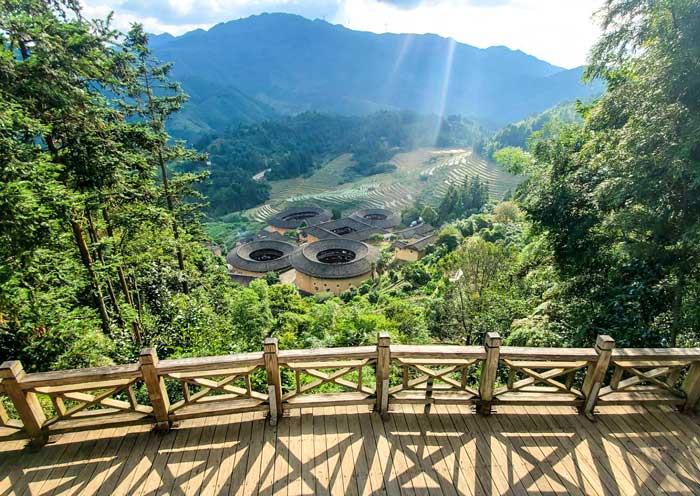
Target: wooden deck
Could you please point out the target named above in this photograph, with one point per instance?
(349, 450)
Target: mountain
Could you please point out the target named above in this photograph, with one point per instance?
(252, 68)
(213, 106)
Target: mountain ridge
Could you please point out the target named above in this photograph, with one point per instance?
(286, 64)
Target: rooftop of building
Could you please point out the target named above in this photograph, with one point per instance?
(260, 235)
(419, 244)
(264, 255)
(336, 258)
(345, 228)
(418, 231)
(296, 217)
(378, 217)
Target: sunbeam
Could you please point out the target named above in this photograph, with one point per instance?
(444, 86)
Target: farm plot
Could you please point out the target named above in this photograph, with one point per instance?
(423, 174)
(456, 169)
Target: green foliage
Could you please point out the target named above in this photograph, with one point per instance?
(518, 135)
(617, 198)
(514, 160)
(506, 212)
(226, 232)
(410, 215)
(449, 237)
(295, 146)
(463, 200)
(101, 246)
(416, 274)
(429, 215)
(533, 332)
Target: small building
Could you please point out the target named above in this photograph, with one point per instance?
(378, 217)
(333, 265)
(296, 217)
(257, 258)
(415, 232)
(345, 228)
(413, 250)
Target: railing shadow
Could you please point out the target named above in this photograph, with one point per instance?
(348, 450)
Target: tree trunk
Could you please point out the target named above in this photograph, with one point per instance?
(157, 122)
(135, 325)
(120, 269)
(467, 331)
(87, 262)
(94, 237)
(171, 207)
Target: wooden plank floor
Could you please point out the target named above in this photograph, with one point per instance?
(348, 450)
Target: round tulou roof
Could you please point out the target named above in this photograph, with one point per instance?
(335, 259)
(378, 217)
(293, 218)
(265, 255)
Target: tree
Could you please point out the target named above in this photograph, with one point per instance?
(449, 237)
(480, 295)
(619, 197)
(463, 200)
(429, 215)
(506, 212)
(80, 204)
(409, 215)
(57, 67)
(515, 160)
(153, 96)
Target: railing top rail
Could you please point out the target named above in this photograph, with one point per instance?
(79, 376)
(97, 374)
(291, 356)
(210, 363)
(437, 351)
(690, 354)
(22, 388)
(552, 354)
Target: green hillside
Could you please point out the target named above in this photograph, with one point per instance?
(546, 123)
(423, 174)
(305, 146)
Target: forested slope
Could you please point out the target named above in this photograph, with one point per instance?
(295, 146)
(101, 250)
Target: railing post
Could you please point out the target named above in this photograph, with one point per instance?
(156, 388)
(691, 387)
(4, 417)
(489, 367)
(383, 363)
(595, 375)
(274, 380)
(26, 403)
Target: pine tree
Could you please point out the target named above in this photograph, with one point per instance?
(152, 96)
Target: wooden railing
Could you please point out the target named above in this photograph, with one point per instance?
(274, 381)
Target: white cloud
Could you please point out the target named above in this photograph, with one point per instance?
(558, 31)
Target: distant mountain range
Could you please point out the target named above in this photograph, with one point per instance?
(255, 68)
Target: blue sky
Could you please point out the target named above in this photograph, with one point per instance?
(558, 31)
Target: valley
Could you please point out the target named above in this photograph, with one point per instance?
(423, 174)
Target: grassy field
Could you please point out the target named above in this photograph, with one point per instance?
(423, 174)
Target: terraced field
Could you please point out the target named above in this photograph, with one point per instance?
(423, 174)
